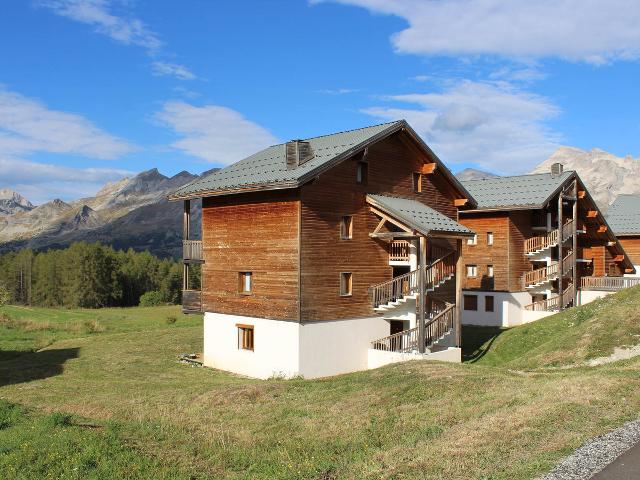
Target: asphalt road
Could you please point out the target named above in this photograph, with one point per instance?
(625, 467)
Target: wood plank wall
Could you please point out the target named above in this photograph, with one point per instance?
(631, 245)
(391, 164)
(258, 233)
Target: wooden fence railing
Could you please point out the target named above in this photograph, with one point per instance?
(192, 250)
(535, 244)
(192, 301)
(438, 324)
(399, 251)
(552, 304)
(609, 284)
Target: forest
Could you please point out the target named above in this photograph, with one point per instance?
(90, 275)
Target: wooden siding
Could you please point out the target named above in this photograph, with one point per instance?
(483, 254)
(391, 164)
(258, 233)
(520, 223)
(632, 246)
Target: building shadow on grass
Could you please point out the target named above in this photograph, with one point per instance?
(22, 367)
(477, 341)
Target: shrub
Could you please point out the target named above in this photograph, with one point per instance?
(9, 414)
(171, 319)
(5, 296)
(58, 419)
(93, 326)
(152, 299)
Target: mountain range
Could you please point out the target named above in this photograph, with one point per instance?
(134, 213)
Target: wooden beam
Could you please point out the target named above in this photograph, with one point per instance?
(581, 193)
(392, 235)
(629, 270)
(592, 213)
(422, 300)
(602, 229)
(611, 244)
(460, 202)
(428, 168)
(618, 258)
(380, 225)
(387, 218)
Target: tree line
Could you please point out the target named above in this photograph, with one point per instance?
(90, 275)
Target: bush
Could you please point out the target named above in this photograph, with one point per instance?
(5, 296)
(152, 299)
(58, 419)
(9, 414)
(171, 319)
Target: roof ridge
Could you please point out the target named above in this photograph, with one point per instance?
(500, 177)
(342, 131)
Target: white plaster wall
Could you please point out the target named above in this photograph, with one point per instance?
(531, 316)
(338, 346)
(379, 358)
(508, 307)
(586, 296)
(276, 346)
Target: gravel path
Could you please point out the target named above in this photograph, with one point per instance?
(596, 454)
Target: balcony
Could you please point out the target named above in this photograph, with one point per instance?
(191, 301)
(399, 251)
(608, 284)
(192, 251)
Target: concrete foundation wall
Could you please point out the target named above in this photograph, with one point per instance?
(508, 308)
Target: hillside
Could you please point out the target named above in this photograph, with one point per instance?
(88, 415)
(570, 338)
(130, 213)
(473, 174)
(605, 174)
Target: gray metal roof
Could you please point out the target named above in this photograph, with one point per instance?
(522, 191)
(267, 169)
(417, 215)
(624, 215)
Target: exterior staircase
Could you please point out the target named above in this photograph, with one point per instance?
(388, 295)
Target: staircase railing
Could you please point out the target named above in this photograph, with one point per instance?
(437, 325)
(535, 244)
(552, 304)
(408, 283)
(567, 230)
(549, 272)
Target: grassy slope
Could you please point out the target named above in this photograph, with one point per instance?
(570, 337)
(154, 417)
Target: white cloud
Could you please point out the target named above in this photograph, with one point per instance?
(491, 124)
(579, 30)
(337, 91)
(214, 133)
(98, 14)
(40, 182)
(28, 126)
(172, 69)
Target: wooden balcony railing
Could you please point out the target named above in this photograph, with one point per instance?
(192, 250)
(567, 230)
(552, 304)
(191, 301)
(541, 275)
(439, 323)
(399, 251)
(536, 244)
(609, 284)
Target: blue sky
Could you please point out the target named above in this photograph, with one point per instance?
(91, 90)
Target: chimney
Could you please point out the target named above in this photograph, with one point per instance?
(556, 169)
(298, 152)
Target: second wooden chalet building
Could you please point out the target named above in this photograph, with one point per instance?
(329, 255)
(624, 218)
(539, 239)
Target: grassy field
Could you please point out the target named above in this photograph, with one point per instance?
(106, 398)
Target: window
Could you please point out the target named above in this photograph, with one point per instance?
(488, 303)
(489, 238)
(346, 227)
(245, 283)
(346, 284)
(473, 240)
(470, 302)
(490, 271)
(245, 337)
(361, 173)
(472, 270)
(417, 182)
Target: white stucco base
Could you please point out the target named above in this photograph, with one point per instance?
(378, 358)
(507, 309)
(289, 349)
(586, 296)
(529, 316)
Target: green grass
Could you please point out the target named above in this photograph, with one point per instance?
(117, 404)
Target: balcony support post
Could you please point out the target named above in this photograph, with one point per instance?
(186, 227)
(422, 288)
(560, 255)
(575, 243)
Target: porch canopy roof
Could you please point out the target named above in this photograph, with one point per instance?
(416, 217)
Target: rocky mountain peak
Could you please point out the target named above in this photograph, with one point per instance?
(473, 174)
(12, 202)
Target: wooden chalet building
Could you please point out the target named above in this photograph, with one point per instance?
(329, 255)
(624, 218)
(539, 239)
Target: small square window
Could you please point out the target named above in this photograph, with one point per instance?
(346, 284)
(245, 283)
(472, 270)
(470, 302)
(488, 303)
(489, 238)
(362, 172)
(245, 337)
(472, 240)
(489, 270)
(346, 227)
(417, 182)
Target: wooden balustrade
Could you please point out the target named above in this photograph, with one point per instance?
(399, 251)
(535, 244)
(192, 250)
(567, 230)
(552, 304)
(438, 324)
(609, 284)
(191, 301)
(540, 275)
